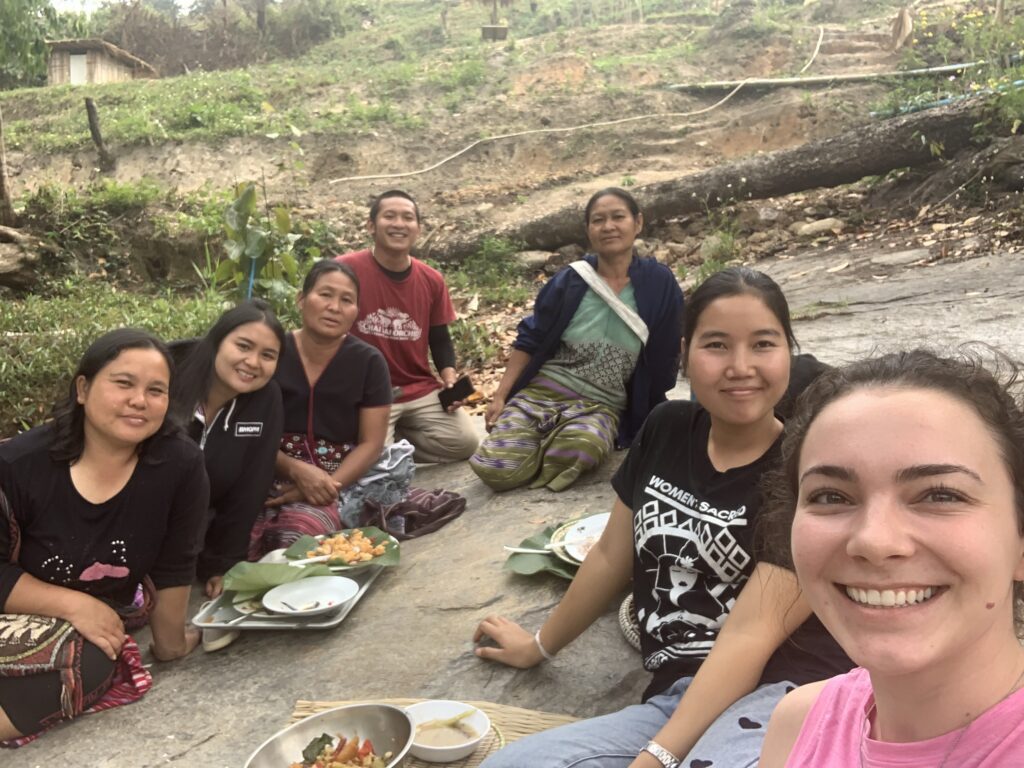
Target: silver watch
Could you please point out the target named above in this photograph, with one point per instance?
(665, 757)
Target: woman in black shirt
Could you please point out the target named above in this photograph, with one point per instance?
(715, 623)
(106, 496)
(226, 394)
(337, 396)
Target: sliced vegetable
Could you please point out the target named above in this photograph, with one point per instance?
(315, 747)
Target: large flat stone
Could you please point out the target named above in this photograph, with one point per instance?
(410, 636)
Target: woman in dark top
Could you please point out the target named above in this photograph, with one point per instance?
(715, 624)
(337, 397)
(106, 496)
(226, 394)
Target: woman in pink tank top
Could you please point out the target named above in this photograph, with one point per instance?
(901, 500)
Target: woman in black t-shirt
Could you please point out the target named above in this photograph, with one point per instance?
(106, 496)
(337, 396)
(225, 393)
(681, 530)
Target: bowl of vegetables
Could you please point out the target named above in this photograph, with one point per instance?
(354, 736)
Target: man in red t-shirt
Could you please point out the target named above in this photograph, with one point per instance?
(404, 311)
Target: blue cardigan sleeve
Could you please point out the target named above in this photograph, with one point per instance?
(534, 330)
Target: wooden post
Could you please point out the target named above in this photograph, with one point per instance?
(7, 217)
(107, 161)
(1000, 11)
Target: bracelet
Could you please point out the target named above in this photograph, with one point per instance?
(663, 756)
(541, 648)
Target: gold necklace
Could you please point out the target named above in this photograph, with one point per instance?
(959, 736)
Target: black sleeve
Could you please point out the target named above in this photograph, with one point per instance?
(441, 348)
(227, 538)
(376, 382)
(175, 566)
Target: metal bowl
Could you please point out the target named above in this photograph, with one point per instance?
(389, 728)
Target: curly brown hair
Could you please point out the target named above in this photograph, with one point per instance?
(981, 377)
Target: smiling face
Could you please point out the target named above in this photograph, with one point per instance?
(126, 401)
(396, 227)
(247, 358)
(738, 360)
(905, 538)
(330, 307)
(612, 227)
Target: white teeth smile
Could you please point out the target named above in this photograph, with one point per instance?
(889, 598)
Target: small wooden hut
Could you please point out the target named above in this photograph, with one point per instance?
(91, 61)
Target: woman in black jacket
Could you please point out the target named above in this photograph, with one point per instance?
(225, 394)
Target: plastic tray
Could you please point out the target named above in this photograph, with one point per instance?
(221, 614)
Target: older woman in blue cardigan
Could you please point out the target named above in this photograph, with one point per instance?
(600, 350)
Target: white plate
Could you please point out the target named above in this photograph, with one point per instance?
(310, 596)
(573, 540)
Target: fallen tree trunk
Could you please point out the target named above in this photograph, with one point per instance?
(869, 150)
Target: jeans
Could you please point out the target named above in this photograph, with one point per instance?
(613, 741)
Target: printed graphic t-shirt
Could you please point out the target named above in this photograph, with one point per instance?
(395, 316)
(693, 530)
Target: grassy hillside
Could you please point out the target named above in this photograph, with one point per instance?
(402, 71)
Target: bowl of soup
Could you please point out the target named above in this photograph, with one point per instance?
(445, 731)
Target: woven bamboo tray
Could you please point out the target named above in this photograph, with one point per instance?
(507, 725)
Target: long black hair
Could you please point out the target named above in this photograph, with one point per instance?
(195, 377)
(69, 415)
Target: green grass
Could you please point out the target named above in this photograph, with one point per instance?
(43, 336)
(392, 73)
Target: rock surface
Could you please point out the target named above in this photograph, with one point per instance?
(411, 635)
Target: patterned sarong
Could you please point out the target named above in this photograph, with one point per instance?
(31, 645)
(547, 435)
(280, 527)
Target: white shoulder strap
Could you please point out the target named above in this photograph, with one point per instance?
(619, 307)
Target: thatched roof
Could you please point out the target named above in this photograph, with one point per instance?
(95, 44)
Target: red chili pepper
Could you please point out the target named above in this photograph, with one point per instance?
(366, 749)
(341, 746)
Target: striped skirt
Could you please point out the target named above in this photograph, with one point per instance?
(280, 527)
(547, 435)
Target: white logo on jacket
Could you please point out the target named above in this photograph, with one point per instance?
(249, 429)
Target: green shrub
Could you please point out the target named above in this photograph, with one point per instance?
(42, 338)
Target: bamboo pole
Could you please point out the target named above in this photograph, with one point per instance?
(853, 77)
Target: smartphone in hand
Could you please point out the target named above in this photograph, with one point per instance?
(460, 390)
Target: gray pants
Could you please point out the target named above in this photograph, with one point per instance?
(437, 435)
(613, 741)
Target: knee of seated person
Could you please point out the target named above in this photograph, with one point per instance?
(97, 667)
